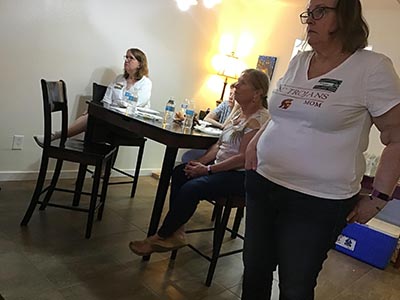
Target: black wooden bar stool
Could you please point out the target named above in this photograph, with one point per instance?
(222, 211)
(120, 137)
(99, 155)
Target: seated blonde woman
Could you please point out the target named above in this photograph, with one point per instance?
(219, 172)
(135, 76)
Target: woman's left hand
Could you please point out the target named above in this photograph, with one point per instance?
(195, 169)
(365, 209)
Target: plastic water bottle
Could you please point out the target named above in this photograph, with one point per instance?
(184, 106)
(189, 116)
(169, 112)
(131, 101)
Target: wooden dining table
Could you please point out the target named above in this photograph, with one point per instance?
(105, 121)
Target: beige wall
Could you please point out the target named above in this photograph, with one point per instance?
(83, 41)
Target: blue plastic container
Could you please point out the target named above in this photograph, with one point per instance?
(367, 244)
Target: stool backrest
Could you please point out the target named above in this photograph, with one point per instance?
(98, 92)
(54, 100)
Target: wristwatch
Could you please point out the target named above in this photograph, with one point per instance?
(209, 170)
(377, 194)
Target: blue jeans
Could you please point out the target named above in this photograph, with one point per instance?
(291, 230)
(187, 193)
(192, 154)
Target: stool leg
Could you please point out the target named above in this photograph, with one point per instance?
(237, 221)
(93, 200)
(173, 254)
(79, 184)
(137, 169)
(53, 184)
(218, 209)
(38, 189)
(104, 189)
(218, 239)
(213, 215)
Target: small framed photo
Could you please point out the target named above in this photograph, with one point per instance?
(266, 64)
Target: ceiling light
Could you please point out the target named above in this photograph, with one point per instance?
(184, 5)
(211, 3)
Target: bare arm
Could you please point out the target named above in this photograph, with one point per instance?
(251, 151)
(388, 171)
(197, 168)
(210, 155)
(212, 118)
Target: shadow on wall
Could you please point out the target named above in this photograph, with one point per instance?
(102, 76)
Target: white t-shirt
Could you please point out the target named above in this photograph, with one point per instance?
(319, 128)
(116, 91)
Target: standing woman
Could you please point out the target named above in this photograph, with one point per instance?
(305, 167)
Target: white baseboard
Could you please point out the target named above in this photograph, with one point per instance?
(67, 174)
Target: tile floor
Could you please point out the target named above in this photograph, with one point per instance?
(50, 259)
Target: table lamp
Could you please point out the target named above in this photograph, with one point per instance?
(229, 69)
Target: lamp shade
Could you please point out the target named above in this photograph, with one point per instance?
(230, 66)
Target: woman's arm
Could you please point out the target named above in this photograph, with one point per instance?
(144, 93)
(210, 155)
(108, 95)
(388, 171)
(212, 119)
(251, 151)
(197, 168)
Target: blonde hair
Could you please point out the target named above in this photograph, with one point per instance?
(260, 81)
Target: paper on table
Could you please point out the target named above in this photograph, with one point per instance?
(208, 130)
(148, 116)
(147, 110)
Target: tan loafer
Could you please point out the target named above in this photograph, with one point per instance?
(141, 248)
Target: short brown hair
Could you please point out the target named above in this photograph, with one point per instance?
(352, 28)
(143, 69)
(260, 81)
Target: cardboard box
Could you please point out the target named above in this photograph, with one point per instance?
(367, 244)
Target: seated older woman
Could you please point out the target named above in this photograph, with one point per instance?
(219, 172)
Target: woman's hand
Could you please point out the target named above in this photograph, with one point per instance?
(195, 169)
(365, 209)
(251, 155)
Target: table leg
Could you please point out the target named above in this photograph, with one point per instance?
(163, 184)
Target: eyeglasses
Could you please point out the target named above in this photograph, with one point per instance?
(128, 58)
(316, 14)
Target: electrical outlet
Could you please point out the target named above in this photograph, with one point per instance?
(18, 142)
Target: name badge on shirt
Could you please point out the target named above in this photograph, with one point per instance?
(128, 95)
(328, 84)
(118, 86)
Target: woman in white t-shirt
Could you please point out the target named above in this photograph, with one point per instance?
(135, 76)
(219, 172)
(305, 167)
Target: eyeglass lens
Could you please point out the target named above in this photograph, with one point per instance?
(128, 57)
(315, 14)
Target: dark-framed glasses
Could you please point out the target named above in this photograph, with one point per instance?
(128, 57)
(316, 14)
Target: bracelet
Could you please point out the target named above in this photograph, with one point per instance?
(209, 170)
(382, 196)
